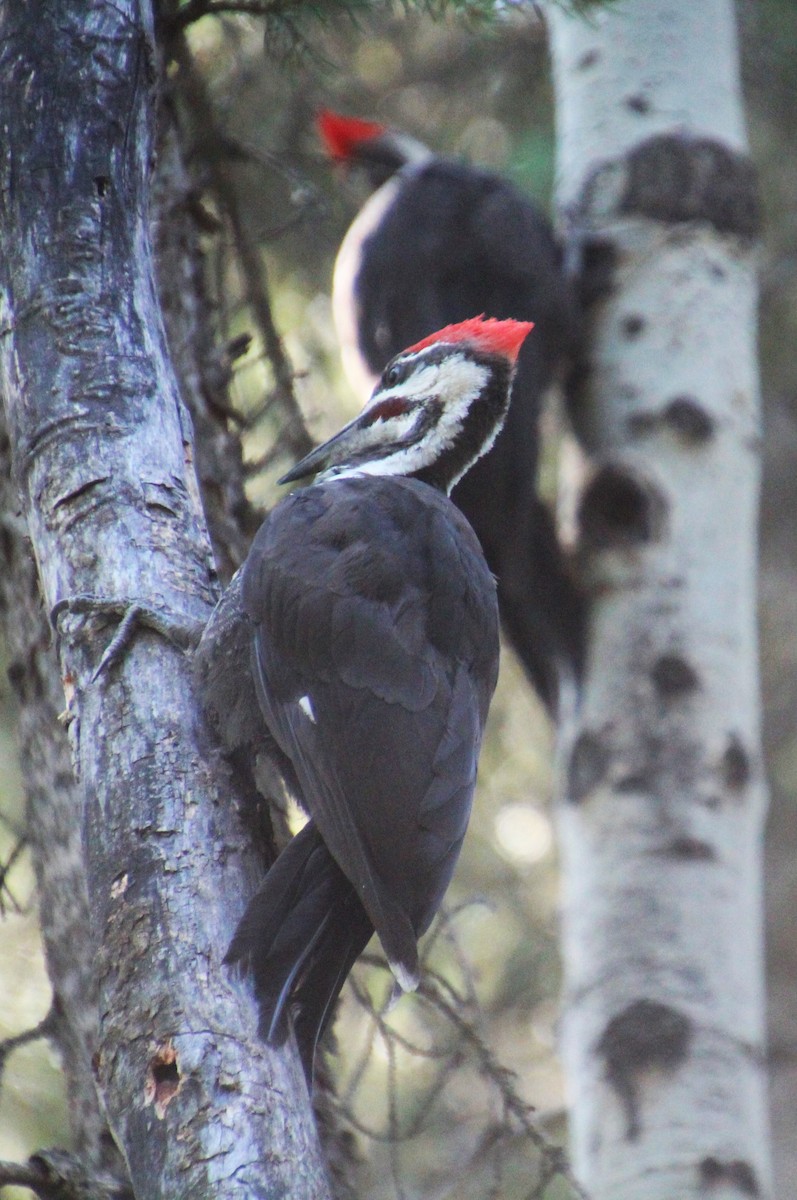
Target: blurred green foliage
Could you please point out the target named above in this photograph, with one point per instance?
(32, 1100)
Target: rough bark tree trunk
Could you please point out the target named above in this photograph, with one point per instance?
(661, 821)
(103, 456)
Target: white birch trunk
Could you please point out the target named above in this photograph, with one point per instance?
(661, 820)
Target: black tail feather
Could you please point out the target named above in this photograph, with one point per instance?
(298, 939)
(544, 612)
(279, 970)
(268, 909)
(350, 931)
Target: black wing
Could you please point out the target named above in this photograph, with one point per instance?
(376, 656)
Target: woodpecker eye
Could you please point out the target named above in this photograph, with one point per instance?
(394, 374)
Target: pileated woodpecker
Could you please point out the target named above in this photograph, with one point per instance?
(436, 241)
(374, 635)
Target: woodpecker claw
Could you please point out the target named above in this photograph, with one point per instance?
(120, 641)
(179, 629)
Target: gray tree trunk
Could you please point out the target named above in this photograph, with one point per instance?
(104, 460)
(661, 820)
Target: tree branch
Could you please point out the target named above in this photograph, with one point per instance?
(5, 871)
(56, 1175)
(45, 1028)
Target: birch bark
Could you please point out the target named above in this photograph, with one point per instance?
(103, 455)
(664, 796)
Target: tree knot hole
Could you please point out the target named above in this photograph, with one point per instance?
(632, 325)
(163, 1078)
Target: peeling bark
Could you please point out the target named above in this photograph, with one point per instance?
(103, 456)
(665, 796)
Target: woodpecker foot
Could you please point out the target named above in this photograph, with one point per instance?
(179, 629)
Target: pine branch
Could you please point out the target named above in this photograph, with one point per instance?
(210, 145)
(57, 1175)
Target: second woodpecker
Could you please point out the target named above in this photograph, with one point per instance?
(437, 241)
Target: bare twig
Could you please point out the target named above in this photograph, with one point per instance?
(513, 1123)
(210, 145)
(57, 1175)
(5, 870)
(45, 1028)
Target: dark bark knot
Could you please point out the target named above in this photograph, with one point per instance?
(637, 104)
(689, 849)
(589, 763)
(678, 179)
(645, 1036)
(590, 58)
(163, 1079)
(735, 765)
(684, 416)
(621, 510)
(673, 677)
(632, 326)
(715, 1172)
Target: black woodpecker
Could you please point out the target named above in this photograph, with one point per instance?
(374, 648)
(436, 241)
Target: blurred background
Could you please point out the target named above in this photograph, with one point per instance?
(425, 1096)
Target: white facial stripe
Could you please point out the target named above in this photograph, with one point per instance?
(456, 382)
(306, 705)
(460, 381)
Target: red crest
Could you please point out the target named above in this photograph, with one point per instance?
(342, 134)
(486, 333)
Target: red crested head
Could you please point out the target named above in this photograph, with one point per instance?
(433, 413)
(342, 135)
(485, 333)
